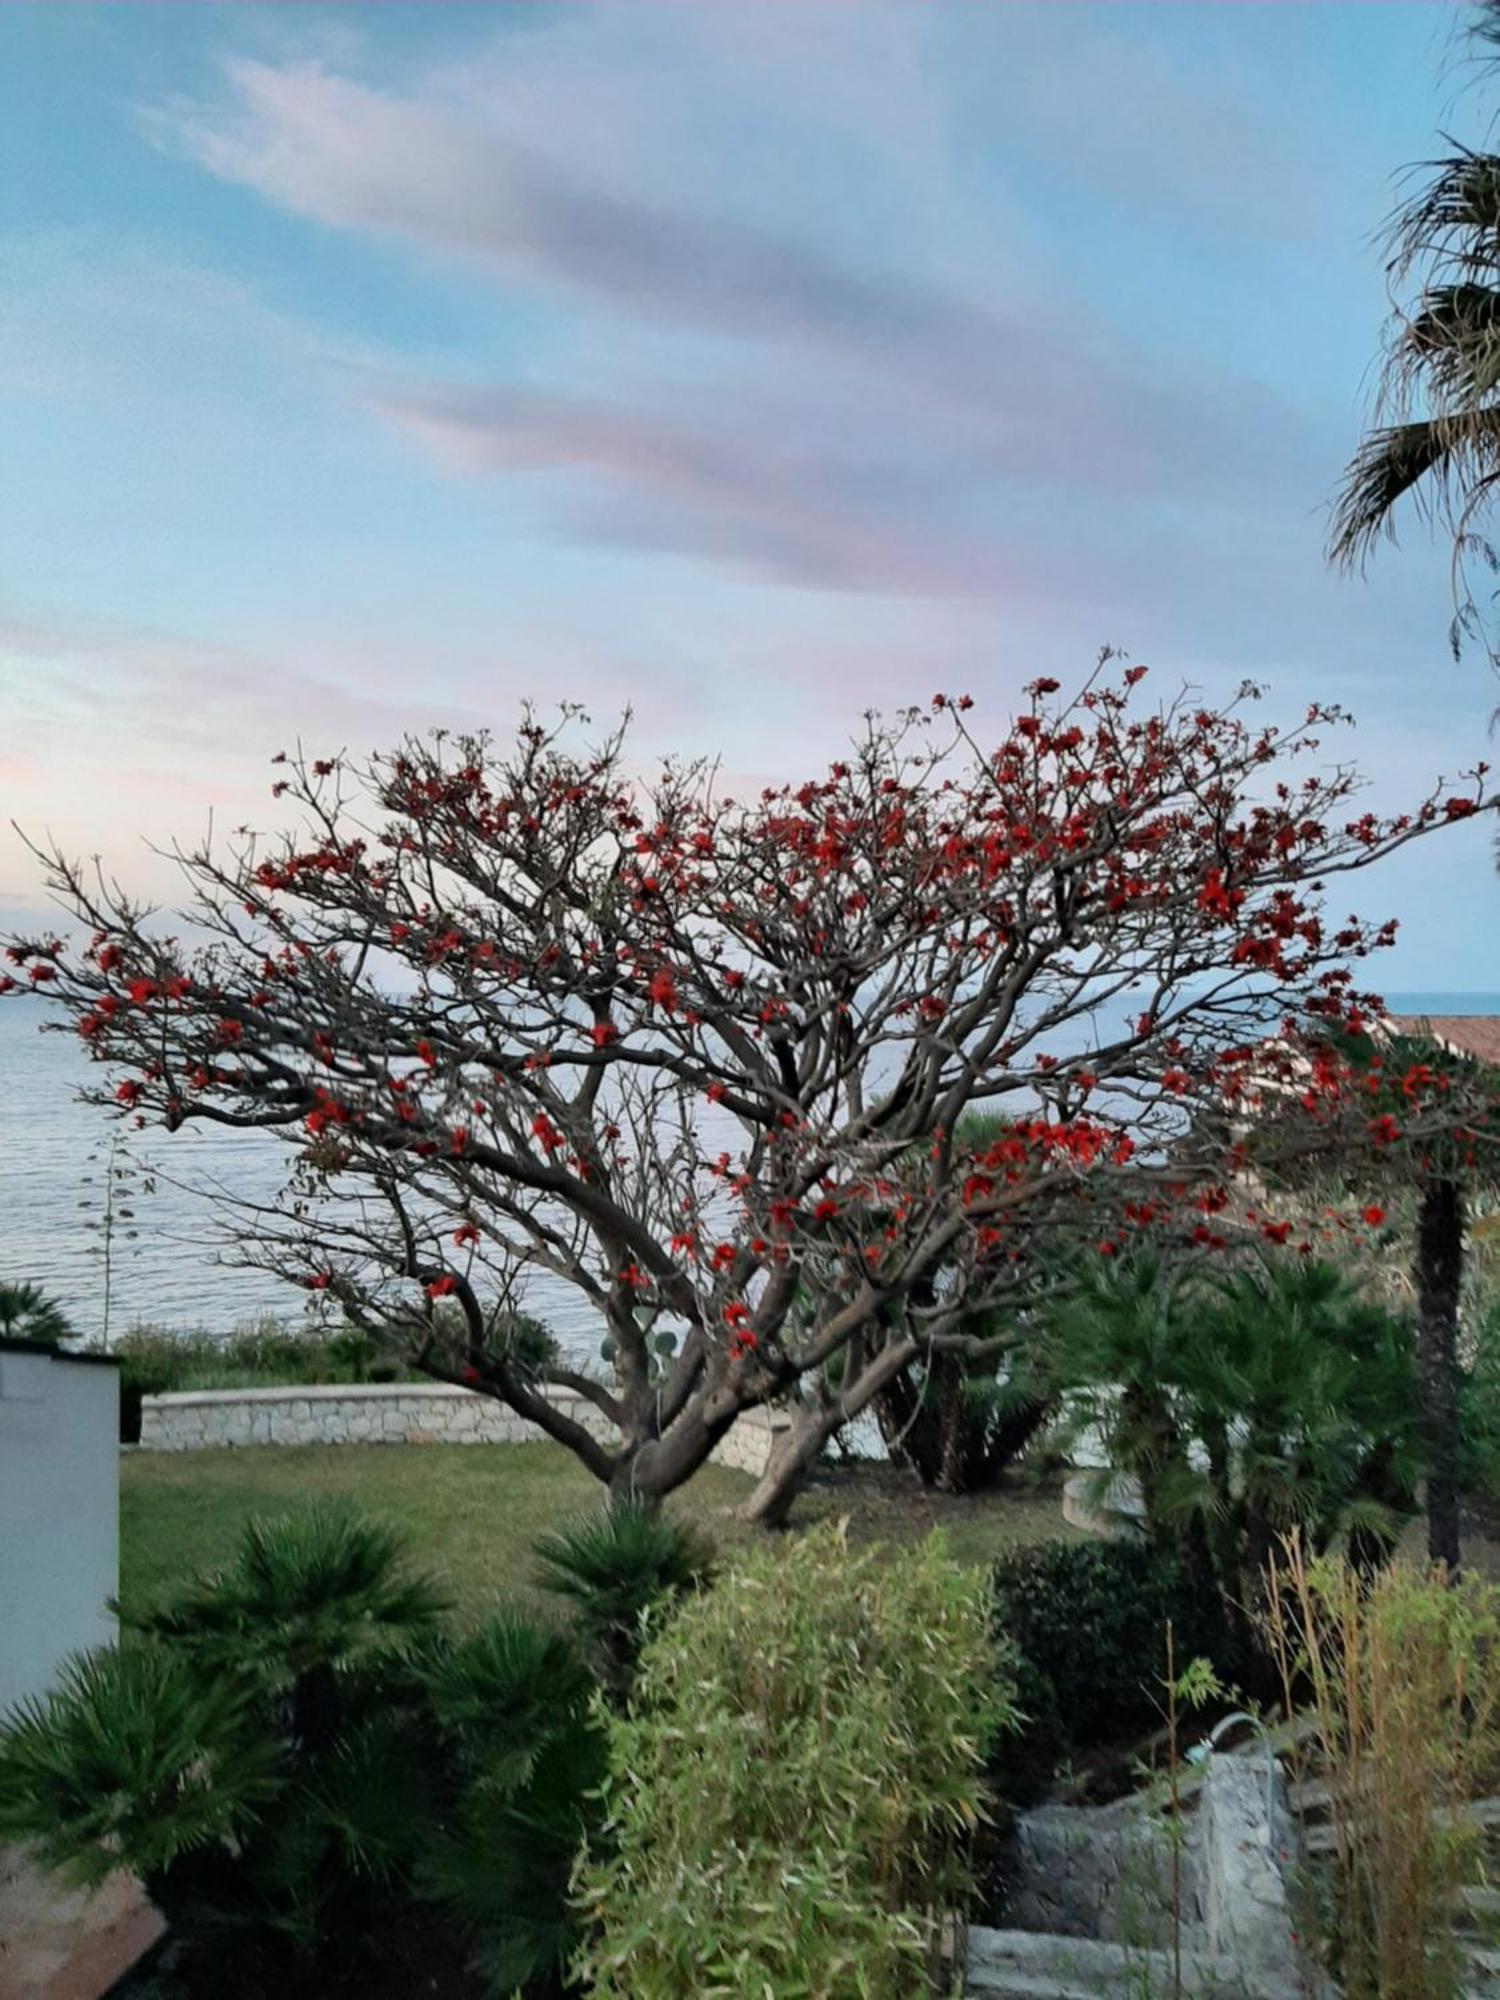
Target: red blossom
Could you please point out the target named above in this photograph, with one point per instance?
(442, 1288)
(546, 1133)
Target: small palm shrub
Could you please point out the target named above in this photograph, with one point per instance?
(612, 1568)
(317, 1783)
(793, 1780)
(513, 1703)
(26, 1313)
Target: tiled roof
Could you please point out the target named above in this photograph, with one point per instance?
(1476, 1035)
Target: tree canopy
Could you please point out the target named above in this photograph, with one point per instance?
(528, 1006)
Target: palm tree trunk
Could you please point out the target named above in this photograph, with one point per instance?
(1439, 1273)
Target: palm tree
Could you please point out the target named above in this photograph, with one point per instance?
(26, 1313)
(1437, 430)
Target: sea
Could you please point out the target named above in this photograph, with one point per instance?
(58, 1168)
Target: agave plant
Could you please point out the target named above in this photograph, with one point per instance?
(612, 1568)
(26, 1313)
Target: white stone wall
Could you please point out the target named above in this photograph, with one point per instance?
(389, 1413)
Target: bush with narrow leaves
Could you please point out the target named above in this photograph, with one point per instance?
(792, 1784)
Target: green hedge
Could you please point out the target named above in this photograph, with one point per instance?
(1089, 1620)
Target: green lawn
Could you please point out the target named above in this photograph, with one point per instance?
(472, 1514)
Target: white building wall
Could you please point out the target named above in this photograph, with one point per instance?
(59, 1511)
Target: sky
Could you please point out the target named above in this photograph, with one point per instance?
(365, 369)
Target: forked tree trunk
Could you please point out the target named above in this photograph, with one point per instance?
(792, 1459)
(802, 1445)
(1439, 1274)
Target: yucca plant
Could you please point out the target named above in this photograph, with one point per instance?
(26, 1313)
(612, 1568)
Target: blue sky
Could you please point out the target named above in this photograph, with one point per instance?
(368, 368)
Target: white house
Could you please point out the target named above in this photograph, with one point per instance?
(59, 1509)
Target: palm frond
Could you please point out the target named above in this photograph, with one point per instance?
(613, 1568)
(26, 1313)
(131, 1761)
(317, 1588)
(1457, 457)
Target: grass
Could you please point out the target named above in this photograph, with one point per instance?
(472, 1514)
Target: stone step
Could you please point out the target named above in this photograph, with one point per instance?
(64, 1943)
(1029, 1965)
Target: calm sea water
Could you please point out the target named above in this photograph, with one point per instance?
(166, 1272)
(166, 1269)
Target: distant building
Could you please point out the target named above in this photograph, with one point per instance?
(59, 1510)
(1474, 1035)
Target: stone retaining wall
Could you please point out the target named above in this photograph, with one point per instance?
(390, 1413)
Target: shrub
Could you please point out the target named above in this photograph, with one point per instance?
(513, 1702)
(26, 1313)
(613, 1568)
(154, 1362)
(1401, 1673)
(790, 1787)
(314, 1780)
(1088, 1620)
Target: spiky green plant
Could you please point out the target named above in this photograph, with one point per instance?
(132, 1761)
(26, 1313)
(312, 1775)
(515, 1704)
(1436, 435)
(612, 1567)
(306, 1597)
(1307, 1390)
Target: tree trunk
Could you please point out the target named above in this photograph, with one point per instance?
(649, 1468)
(811, 1428)
(791, 1461)
(951, 1456)
(1439, 1273)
